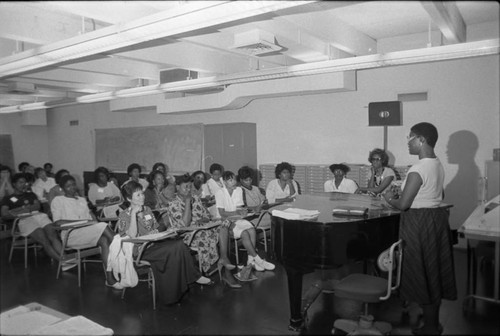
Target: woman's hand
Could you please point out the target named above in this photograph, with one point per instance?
(134, 209)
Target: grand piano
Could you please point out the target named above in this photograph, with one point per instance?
(329, 241)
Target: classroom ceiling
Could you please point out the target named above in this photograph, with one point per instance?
(55, 53)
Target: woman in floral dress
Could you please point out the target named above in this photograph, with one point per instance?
(186, 211)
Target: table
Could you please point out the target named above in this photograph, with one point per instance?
(482, 225)
(329, 241)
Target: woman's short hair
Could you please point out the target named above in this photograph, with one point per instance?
(228, 175)
(22, 166)
(101, 170)
(282, 166)
(341, 166)
(16, 177)
(48, 164)
(152, 176)
(186, 178)
(129, 188)
(384, 158)
(133, 166)
(158, 164)
(245, 172)
(199, 172)
(426, 130)
(60, 173)
(216, 166)
(38, 170)
(65, 179)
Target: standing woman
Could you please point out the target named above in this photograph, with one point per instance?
(381, 175)
(428, 271)
(170, 259)
(283, 188)
(187, 211)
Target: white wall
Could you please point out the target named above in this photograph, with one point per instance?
(463, 97)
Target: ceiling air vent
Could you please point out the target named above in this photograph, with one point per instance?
(256, 42)
(177, 75)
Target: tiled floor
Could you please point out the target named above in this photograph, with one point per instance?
(260, 307)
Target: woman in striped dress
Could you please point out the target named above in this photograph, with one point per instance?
(428, 271)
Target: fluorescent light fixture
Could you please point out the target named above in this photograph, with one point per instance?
(449, 52)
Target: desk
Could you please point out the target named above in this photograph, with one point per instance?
(329, 241)
(37, 319)
(482, 226)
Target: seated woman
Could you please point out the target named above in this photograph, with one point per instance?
(6, 187)
(215, 183)
(103, 193)
(57, 190)
(200, 188)
(48, 169)
(283, 188)
(70, 208)
(252, 197)
(229, 201)
(169, 179)
(38, 226)
(157, 195)
(186, 211)
(134, 171)
(170, 259)
(340, 183)
(381, 175)
(42, 186)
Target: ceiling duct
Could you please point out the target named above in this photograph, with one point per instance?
(177, 75)
(21, 88)
(256, 42)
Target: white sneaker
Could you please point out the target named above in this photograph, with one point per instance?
(257, 267)
(260, 263)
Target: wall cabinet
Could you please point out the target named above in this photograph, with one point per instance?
(232, 145)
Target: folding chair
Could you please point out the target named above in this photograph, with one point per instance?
(22, 242)
(143, 267)
(77, 254)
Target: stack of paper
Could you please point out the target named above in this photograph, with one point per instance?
(77, 325)
(23, 320)
(296, 214)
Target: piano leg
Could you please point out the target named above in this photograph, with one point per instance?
(295, 296)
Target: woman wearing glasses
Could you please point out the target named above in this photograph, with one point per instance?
(428, 274)
(381, 175)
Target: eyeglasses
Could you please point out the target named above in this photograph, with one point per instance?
(410, 138)
(375, 159)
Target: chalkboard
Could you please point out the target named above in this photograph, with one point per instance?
(179, 146)
(6, 152)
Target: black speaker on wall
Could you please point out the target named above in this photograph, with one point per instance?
(384, 113)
